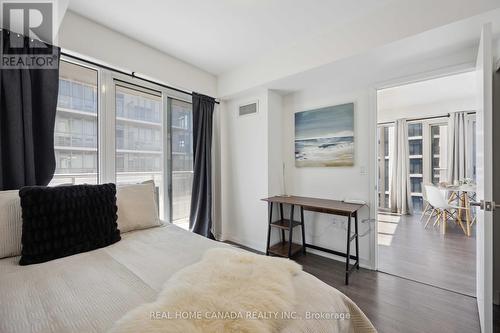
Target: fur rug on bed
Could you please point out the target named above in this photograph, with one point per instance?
(227, 291)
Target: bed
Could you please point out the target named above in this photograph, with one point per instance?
(89, 292)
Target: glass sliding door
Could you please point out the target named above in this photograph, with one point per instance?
(139, 137)
(75, 131)
(112, 128)
(181, 129)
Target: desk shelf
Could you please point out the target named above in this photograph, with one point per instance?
(281, 249)
(285, 224)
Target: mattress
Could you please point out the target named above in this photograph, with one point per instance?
(90, 291)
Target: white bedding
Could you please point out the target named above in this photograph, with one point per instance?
(88, 292)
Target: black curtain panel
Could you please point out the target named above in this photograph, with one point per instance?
(28, 101)
(200, 219)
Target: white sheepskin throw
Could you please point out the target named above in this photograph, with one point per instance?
(227, 291)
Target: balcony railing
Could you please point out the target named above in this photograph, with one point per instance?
(64, 139)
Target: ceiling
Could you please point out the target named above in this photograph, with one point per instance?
(454, 87)
(220, 35)
(448, 49)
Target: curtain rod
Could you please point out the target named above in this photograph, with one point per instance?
(424, 118)
(131, 74)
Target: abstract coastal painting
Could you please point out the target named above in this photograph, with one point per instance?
(325, 137)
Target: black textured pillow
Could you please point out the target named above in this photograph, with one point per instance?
(65, 220)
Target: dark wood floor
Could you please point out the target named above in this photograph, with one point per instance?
(395, 304)
(407, 249)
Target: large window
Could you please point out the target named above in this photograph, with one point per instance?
(138, 142)
(75, 132)
(182, 160)
(119, 133)
(428, 150)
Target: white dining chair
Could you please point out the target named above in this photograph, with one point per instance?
(428, 206)
(442, 209)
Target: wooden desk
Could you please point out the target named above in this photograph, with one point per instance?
(335, 207)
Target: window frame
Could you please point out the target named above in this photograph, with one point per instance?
(98, 115)
(106, 126)
(384, 159)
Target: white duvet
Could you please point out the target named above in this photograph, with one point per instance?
(89, 292)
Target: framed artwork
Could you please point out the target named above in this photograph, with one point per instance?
(324, 137)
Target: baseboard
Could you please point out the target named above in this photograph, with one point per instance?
(362, 262)
(257, 246)
(262, 248)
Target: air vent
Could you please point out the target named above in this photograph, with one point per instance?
(247, 109)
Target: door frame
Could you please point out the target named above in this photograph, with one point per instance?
(414, 78)
(484, 268)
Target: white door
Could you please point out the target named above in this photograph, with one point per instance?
(484, 161)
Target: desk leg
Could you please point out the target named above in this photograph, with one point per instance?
(269, 227)
(357, 238)
(348, 252)
(282, 219)
(303, 230)
(290, 233)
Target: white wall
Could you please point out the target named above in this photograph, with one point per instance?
(275, 144)
(331, 183)
(251, 167)
(244, 171)
(88, 38)
(254, 148)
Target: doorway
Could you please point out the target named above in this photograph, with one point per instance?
(426, 152)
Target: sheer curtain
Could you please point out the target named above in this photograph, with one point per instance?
(457, 150)
(400, 177)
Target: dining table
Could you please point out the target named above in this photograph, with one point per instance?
(462, 195)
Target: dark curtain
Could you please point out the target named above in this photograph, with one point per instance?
(200, 219)
(28, 101)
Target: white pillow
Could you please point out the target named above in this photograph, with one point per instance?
(11, 224)
(137, 207)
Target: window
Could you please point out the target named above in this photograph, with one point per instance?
(415, 129)
(75, 134)
(416, 157)
(385, 142)
(471, 146)
(428, 151)
(439, 141)
(182, 160)
(416, 167)
(133, 148)
(138, 154)
(417, 202)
